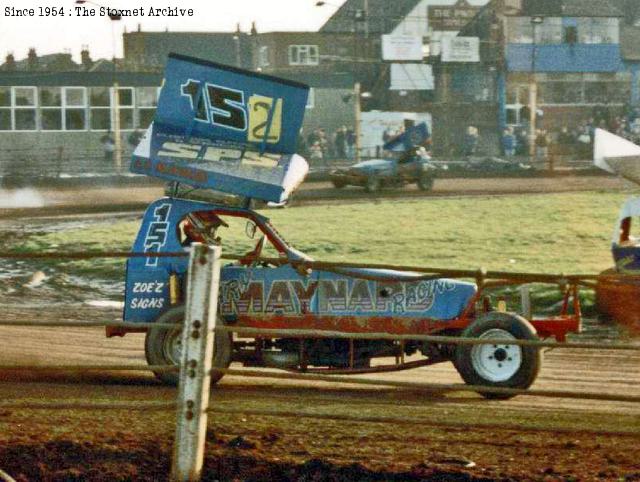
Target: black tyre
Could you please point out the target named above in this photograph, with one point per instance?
(502, 365)
(338, 184)
(373, 184)
(425, 182)
(162, 346)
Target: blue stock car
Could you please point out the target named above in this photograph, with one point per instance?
(222, 129)
(284, 293)
(415, 166)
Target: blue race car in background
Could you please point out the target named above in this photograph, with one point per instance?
(414, 166)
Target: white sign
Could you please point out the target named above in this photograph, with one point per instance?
(373, 125)
(461, 49)
(401, 47)
(412, 77)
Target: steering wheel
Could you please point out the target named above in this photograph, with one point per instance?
(249, 259)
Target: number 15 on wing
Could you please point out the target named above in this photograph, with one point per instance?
(259, 116)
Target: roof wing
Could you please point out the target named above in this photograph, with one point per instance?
(616, 155)
(226, 129)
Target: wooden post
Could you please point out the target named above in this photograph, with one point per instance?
(195, 362)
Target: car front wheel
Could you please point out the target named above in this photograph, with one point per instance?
(503, 364)
(163, 346)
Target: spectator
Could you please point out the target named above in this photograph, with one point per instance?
(134, 138)
(341, 142)
(470, 144)
(351, 142)
(108, 145)
(313, 137)
(542, 145)
(508, 142)
(565, 138)
(522, 142)
(315, 153)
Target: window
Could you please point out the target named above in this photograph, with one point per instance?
(75, 107)
(5, 109)
(125, 107)
(519, 30)
(598, 30)
(51, 108)
(303, 55)
(549, 31)
(100, 108)
(263, 56)
(147, 98)
(581, 89)
(311, 100)
(24, 105)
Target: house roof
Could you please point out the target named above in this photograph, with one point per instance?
(383, 16)
(570, 8)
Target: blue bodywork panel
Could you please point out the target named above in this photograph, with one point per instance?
(221, 128)
(267, 291)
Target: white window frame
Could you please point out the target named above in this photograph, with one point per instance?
(121, 107)
(108, 108)
(296, 50)
(15, 107)
(140, 107)
(8, 108)
(263, 56)
(45, 108)
(84, 107)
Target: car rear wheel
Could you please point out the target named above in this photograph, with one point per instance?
(425, 182)
(499, 365)
(373, 184)
(163, 346)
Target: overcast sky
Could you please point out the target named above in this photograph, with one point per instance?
(57, 34)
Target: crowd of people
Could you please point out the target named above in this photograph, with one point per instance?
(573, 140)
(319, 147)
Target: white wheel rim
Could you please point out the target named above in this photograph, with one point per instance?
(496, 363)
(173, 346)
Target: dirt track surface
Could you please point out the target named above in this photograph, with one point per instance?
(135, 198)
(443, 437)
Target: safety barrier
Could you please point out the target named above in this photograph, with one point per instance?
(199, 330)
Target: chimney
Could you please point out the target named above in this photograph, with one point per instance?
(254, 30)
(139, 28)
(32, 59)
(85, 58)
(10, 62)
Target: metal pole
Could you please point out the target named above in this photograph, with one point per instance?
(366, 19)
(195, 362)
(116, 126)
(358, 115)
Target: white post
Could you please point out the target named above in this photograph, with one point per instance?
(525, 301)
(358, 115)
(195, 363)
